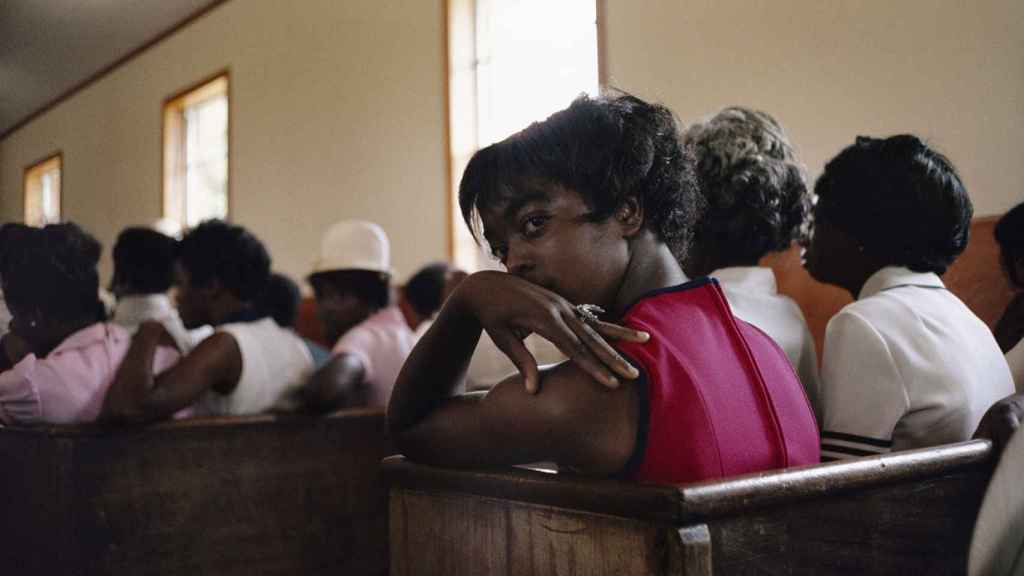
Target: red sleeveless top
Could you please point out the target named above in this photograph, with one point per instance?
(718, 397)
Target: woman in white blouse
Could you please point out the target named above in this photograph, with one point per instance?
(907, 365)
(757, 201)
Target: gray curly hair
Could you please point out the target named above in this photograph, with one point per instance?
(755, 188)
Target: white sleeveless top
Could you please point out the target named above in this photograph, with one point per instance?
(274, 363)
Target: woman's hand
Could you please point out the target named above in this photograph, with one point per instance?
(1002, 421)
(510, 309)
(127, 393)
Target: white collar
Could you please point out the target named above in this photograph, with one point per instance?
(895, 276)
(753, 278)
(130, 308)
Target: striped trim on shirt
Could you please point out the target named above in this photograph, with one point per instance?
(839, 446)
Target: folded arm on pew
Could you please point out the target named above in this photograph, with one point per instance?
(139, 396)
(571, 421)
(337, 384)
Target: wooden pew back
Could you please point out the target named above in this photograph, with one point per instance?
(254, 496)
(910, 512)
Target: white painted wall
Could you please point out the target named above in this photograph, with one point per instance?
(338, 106)
(337, 111)
(949, 70)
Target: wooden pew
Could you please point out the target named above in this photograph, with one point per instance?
(250, 496)
(908, 513)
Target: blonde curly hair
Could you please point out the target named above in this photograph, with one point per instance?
(754, 187)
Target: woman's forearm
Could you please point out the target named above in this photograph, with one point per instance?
(126, 398)
(436, 365)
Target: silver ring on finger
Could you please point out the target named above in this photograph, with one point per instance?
(588, 312)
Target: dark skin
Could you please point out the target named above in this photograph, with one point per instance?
(338, 310)
(337, 384)
(577, 413)
(340, 382)
(1010, 328)
(33, 332)
(832, 256)
(412, 317)
(138, 396)
(1001, 421)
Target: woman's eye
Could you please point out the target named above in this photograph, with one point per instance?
(533, 226)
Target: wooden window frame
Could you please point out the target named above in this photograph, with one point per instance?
(171, 140)
(40, 165)
(455, 57)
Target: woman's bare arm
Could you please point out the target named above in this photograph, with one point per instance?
(137, 396)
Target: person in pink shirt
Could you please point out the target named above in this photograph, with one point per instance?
(59, 357)
(373, 336)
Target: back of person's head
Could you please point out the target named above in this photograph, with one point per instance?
(51, 272)
(215, 251)
(903, 202)
(607, 149)
(143, 262)
(425, 289)
(1009, 234)
(280, 300)
(755, 190)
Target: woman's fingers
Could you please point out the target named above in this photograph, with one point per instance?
(555, 330)
(594, 342)
(517, 352)
(619, 332)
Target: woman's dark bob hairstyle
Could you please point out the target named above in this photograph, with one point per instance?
(903, 202)
(607, 149)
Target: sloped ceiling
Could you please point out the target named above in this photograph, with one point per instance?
(48, 47)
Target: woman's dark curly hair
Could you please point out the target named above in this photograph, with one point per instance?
(51, 270)
(216, 250)
(902, 201)
(144, 260)
(607, 149)
(425, 289)
(1009, 234)
(755, 190)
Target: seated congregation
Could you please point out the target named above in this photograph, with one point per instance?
(632, 252)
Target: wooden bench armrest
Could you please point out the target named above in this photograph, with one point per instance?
(202, 423)
(743, 493)
(686, 504)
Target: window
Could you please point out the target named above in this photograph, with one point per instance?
(196, 153)
(42, 192)
(510, 63)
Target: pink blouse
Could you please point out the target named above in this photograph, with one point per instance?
(68, 386)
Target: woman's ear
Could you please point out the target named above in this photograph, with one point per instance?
(630, 216)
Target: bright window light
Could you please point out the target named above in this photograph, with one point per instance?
(511, 63)
(196, 154)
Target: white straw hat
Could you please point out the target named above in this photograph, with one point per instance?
(354, 245)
